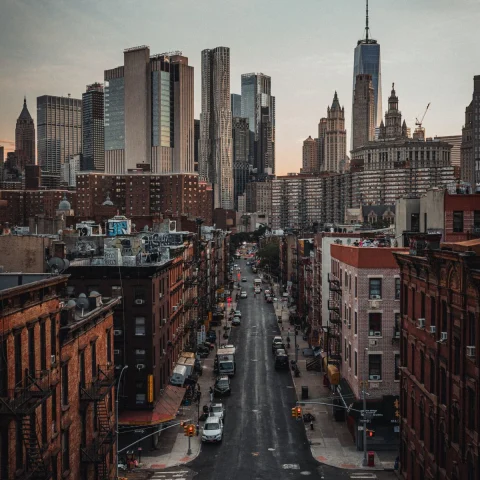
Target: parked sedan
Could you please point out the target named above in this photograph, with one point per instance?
(244, 279)
(281, 362)
(217, 410)
(236, 321)
(243, 294)
(237, 313)
(212, 430)
(222, 386)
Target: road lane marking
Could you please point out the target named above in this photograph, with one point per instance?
(291, 466)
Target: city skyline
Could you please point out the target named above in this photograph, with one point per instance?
(326, 66)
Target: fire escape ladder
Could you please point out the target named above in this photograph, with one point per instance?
(35, 465)
(104, 424)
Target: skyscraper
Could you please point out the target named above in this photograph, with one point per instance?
(59, 127)
(241, 167)
(335, 138)
(93, 131)
(196, 128)
(236, 105)
(367, 60)
(25, 138)
(149, 113)
(322, 131)
(470, 150)
(393, 126)
(216, 158)
(309, 156)
(258, 105)
(363, 113)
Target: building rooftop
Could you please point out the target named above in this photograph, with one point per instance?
(19, 279)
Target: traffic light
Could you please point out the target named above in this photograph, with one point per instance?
(294, 412)
(299, 412)
(370, 433)
(191, 430)
(185, 429)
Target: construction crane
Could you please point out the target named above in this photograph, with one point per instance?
(418, 122)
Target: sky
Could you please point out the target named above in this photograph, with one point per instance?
(429, 48)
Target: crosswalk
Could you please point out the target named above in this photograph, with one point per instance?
(173, 475)
(363, 476)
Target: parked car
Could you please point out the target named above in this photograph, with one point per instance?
(217, 410)
(243, 294)
(244, 279)
(203, 351)
(281, 362)
(211, 336)
(222, 386)
(212, 430)
(278, 346)
(280, 351)
(270, 299)
(236, 321)
(237, 313)
(277, 343)
(258, 290)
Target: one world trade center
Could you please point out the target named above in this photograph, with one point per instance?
(367, 60)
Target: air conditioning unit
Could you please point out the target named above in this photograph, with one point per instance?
(164, 352)
(116, 351)
(443, 336)
(117, 333)
(374, 304)
(164, 321)
(433, 328)
(53, 359)
(375, 377)
(421, 323)
(139, 301)
(140, 366)
(175, 308)
(377, 334)
(160, 296)
(471, 351)
(372, 343)
(376, 297)
(397, 333)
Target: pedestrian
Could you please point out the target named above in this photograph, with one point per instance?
(211, 394)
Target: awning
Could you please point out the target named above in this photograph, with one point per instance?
(165, 409)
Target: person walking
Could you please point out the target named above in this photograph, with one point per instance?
(211, 394)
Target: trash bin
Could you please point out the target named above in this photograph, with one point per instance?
(304, 392)
(371, 459)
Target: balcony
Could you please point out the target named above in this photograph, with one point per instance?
(30, 393)
(333, 305)
(334, 318)
(334, 283)
(98, 389)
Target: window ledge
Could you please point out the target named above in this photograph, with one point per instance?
(65, 408)
(375, 337)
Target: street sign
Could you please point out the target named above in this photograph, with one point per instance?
(360, 428)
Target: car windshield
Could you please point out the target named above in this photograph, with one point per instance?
(225, 366)
(212, 426)
(217, 409)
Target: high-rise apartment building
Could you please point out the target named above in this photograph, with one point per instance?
(25, 138)
(309, 156)
(196, 136)
(216, 156)
(367, 61)
(93, 132)
(470, 149)
(363, 113)
(236, 104)
(241, 167)
(149, 120)
(59, 130)
(322, 131)
(335, 138)
(456, 142)
(258, 105)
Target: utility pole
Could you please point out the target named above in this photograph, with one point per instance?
(365, 461)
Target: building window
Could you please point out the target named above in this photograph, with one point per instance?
(444, 316)
(109, 346)
(471, 408)
(139, 295)
(375, 288)
(44, 424)
(458, 222)
(456, 425)
(93, 348)
(431, 433)
(350, 355)
(31, 351)
(405, 299)
(355, 365)
(412, 412)
(443, 386)
(432, 375)
(396, 326)
(422, 367)
(82, 369)
(476, 221)
(432, 311)
(456, 356)
(3, 368)
(54, 410)
(375, 324)
(422, 305)
(140, 326)
(65, 451)
(18, 359)
(43, 346)
(375, 367)
(355, 316)
(397, 366)
(356, 287)
(422, 421)
(412, 360)
(471, 329)
(19, 444)
(397, 288)
(53, 336)
(413, 304)
(65, 384)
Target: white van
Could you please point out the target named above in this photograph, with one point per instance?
(179, 375)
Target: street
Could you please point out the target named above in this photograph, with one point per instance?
(261, 439)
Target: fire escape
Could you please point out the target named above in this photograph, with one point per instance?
(96, 393)
(20, 404)
(334, 328)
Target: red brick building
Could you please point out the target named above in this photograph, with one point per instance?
(143, 195)
(440, 345)
(462, 217)
(56, 381)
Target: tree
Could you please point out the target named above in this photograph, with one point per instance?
(269, 257)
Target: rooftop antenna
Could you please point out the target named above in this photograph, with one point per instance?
(366, 25)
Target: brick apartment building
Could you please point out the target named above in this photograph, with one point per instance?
(56, 381)
(144, 194)
(439, 354)
(365, 302)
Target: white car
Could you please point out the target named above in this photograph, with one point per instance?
(237, 313)
(243, 294)
(217, 410)
(258, 290)
(212, 430)
(236, 321)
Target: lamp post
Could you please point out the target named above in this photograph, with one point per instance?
(365, 461)
(116, 414)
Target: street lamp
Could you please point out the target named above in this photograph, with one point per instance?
(116, 413)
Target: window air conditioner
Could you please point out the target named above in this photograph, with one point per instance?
(372, 343)
(376, 297)
(421, 323)
(139, 301)
(160, 296)
(175, 308)
(140, 366)
(53, 359)
(470, 351)
(378, 334)
(443, 336)
(117, 333)
(433, 328)
(374, 304)
(164, 321)
(116, 351)
(375, 377)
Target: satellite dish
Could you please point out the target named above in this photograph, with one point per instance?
(93, 293)
(57, 264)
(71, 303)
(82, 303)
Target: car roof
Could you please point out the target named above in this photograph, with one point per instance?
(277, 337)
(223, 377)
(212, 419)
(217, 404)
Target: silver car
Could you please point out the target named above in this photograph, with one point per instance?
(212, 430)
(217, 410)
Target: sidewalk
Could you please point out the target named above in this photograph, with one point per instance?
(173, 444)
(330, 441)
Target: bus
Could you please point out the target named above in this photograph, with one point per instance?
(257, 283)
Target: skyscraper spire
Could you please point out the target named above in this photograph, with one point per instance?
(366, 25)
